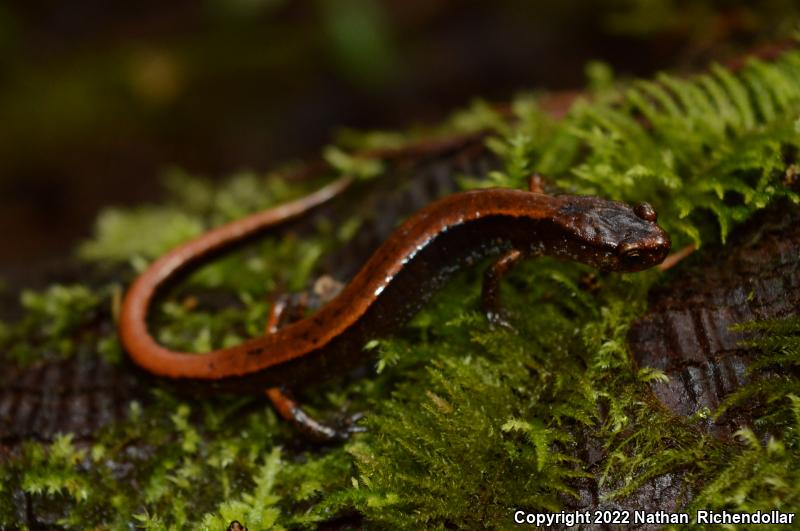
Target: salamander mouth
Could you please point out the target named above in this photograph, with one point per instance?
(633, 259)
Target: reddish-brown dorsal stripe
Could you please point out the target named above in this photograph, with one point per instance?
(427, 248)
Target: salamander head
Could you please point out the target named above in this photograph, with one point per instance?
(611, 235)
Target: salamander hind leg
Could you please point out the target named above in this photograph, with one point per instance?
(290, 307)
(490, 293)
(310, 427)
(285, 310)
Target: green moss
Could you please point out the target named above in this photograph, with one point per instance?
(193, 205)
(465, 421)
(60, 322)
(484, 414)
(347, 164)
(712, 146)
(763, 471)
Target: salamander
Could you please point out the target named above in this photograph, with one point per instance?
(417, 259)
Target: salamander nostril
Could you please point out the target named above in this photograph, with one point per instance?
(645, 211)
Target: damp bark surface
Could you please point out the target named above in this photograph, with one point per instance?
(688, 331)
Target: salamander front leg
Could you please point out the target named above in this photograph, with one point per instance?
(285, 309)
(536, 184)
(492, 277)
(490, 293)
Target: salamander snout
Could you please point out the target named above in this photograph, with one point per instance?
(646, 250)
(612, 235)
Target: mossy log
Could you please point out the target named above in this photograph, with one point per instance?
(465, 422)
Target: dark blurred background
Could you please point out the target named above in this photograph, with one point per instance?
(98, 97)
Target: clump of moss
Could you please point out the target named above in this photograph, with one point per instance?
(60, 322)
(466, 422)
(762, 473)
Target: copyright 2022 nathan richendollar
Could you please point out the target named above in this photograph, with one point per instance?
(622, 517)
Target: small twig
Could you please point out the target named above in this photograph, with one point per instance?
(673, 259)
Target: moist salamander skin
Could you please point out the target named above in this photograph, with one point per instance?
(416, 259)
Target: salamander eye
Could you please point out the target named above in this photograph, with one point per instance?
(645, 211)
